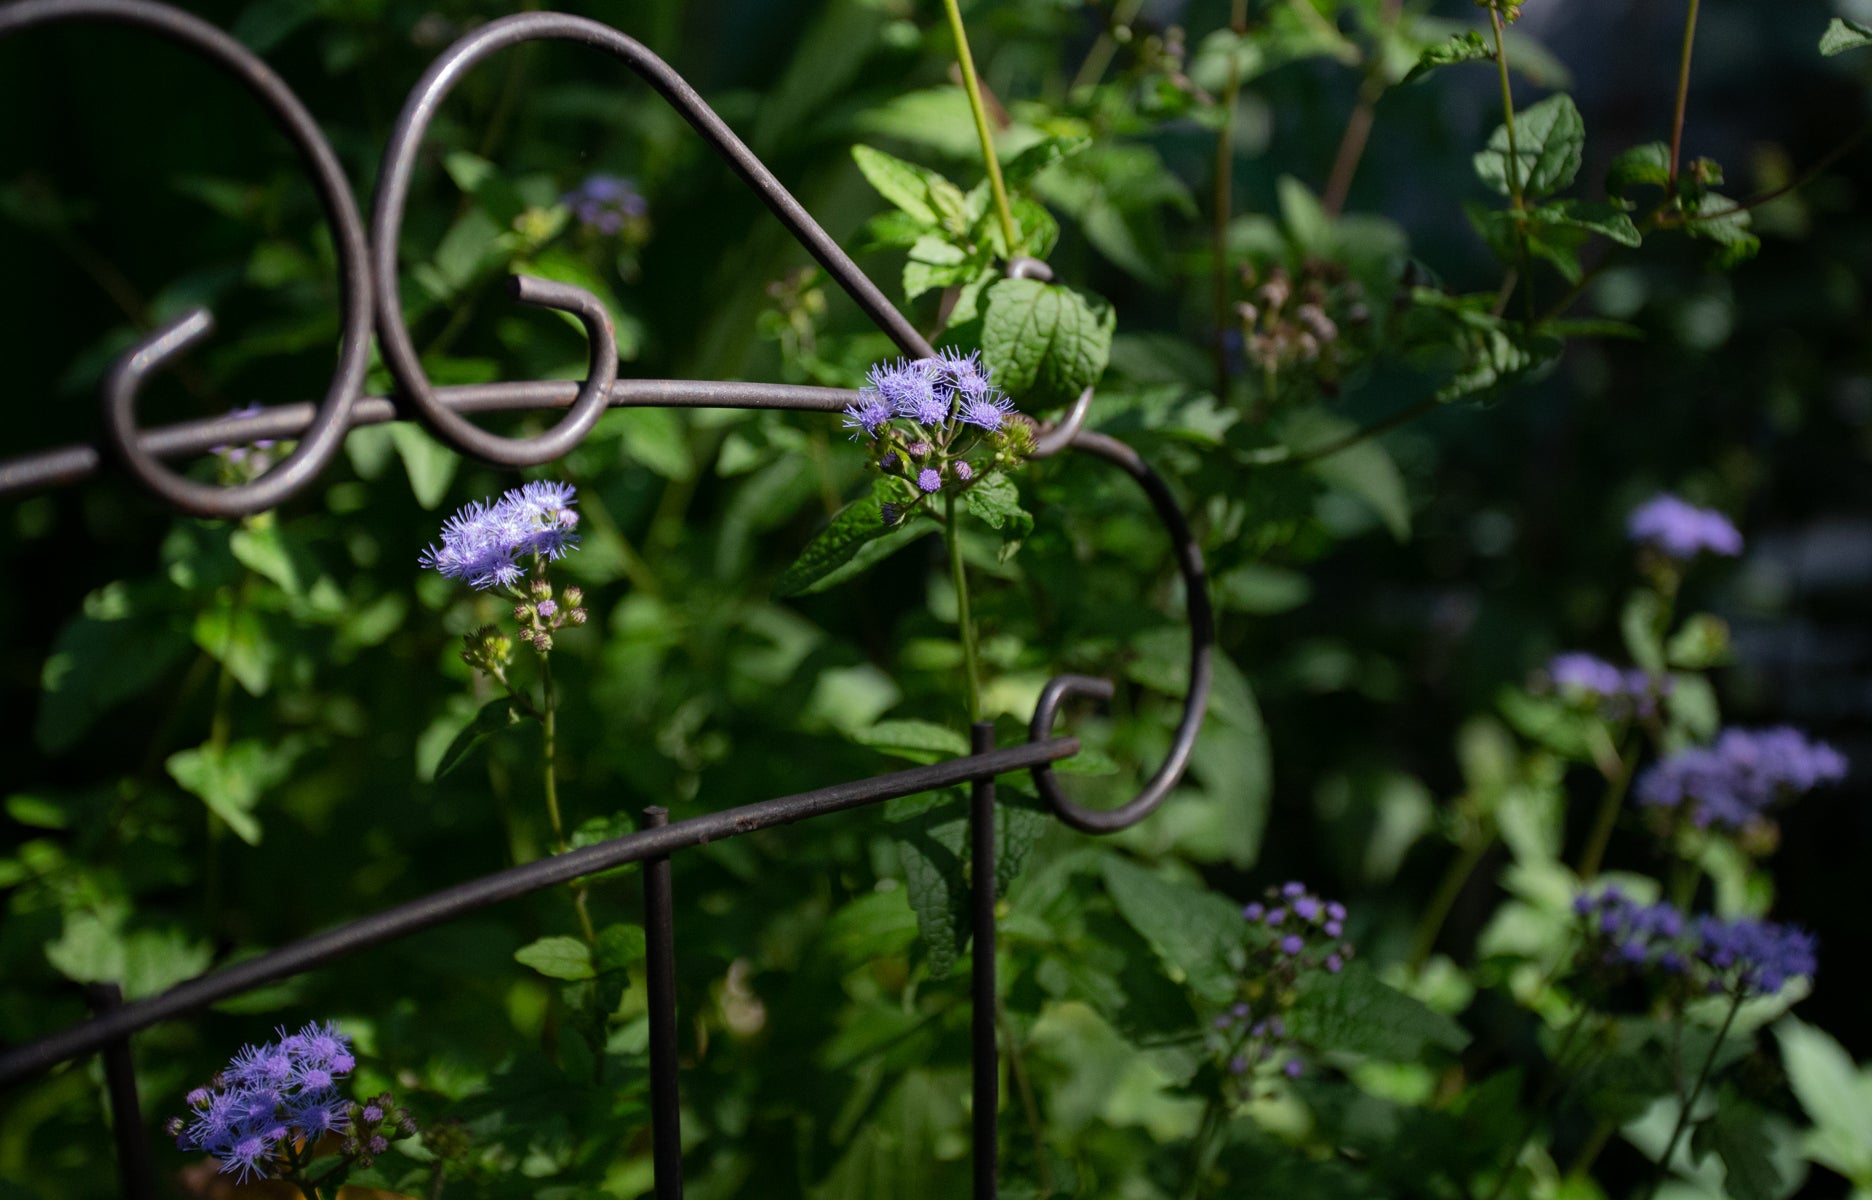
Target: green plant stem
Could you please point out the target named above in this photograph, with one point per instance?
(1589, 1151)
(1224, 197)
(1100, 56)
(1200, 1148)
(972, 85)
(1454, 879)
(1507, 98)
(1017, 1066)
(1696, 1089)
(1358, 128)
(965, 624)
(549, 767)
(435, 1181)
(1543, 1101)
(1607, 817)
(1683, 95)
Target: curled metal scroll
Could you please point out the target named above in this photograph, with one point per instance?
(1201, 667)
(393, 194)
(327, 429)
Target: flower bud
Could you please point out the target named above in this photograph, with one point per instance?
(540, 588)
(574, 595)
(577, 616)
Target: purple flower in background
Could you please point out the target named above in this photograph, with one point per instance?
(1576, 672)
(1755, 955)
(1624, 933)
(269, 1097)
(929, 480)
(988, 411)
(1731, 784)
(605, 203)
(1681, 530)
(483, 545)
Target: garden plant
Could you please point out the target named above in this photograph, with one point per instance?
(1496, 378)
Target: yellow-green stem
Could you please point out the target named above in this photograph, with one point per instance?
(1696, 1090)
(1607, 818)
(972, 85)
(1507, 100)
(1683, 95)
(1454, 879)
(1225, 197)
(965, 625)
(549, 763)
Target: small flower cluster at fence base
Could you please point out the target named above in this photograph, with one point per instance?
(1659, 943)
(939, 423)
(1293, 932)
(268, 1113)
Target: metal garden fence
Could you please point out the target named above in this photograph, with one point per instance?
(368, 281)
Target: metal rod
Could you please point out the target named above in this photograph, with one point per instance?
(660, 981)
(324, 432)
(984, 1060)
(1201, 660)
(135, 1175)
(69, 464)
(20, 1062)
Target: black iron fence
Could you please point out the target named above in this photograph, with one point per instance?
(368, 282)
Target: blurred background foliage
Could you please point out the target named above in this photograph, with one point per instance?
(226, 736)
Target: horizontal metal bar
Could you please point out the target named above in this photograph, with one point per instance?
(20, 1062)
(69, 464)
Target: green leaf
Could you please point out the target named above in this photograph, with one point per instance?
(429, 464)
(119, 648)
(1194, 931)
(1356, 1013)
(936, 262)
(1596, 216)
(1550, 138)
(1842, 35)
(493, 717)
(852, 527)
(870, 555)
(656, 438)
(1468, 46)
(231, 780)
(904, 184)
(932, 833)
(1739, 1134)
(996, 500)
(1837, 1096)
(1723, 221)
(1646, 165)
(1700, 643)
(1045, 344)
(1640, 622)
(558, 958)
(918, 741)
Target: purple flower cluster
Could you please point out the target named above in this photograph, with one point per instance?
(605, 204)
(1624, 933)
(484, 544)
(1303, 933)
(1753, 955)
(1680, 530)
(1739, 955)
(1584, 676)
(936, 394)
(1731, 784)
(269, 1097)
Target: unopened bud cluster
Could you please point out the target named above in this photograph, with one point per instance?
(1288, 322)
(375, 1123)
(939, 423)
(540, 613)
(1296, 932)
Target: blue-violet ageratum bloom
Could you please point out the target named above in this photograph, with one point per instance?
(1731, 784)
(269, 1097)
(1681, 530)
(484, 545)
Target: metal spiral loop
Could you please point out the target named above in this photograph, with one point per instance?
(327, 429)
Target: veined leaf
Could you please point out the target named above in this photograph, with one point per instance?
(856, 524)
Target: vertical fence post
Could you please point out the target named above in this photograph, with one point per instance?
(984, 1059)
(133, 1158)
(660, 951)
